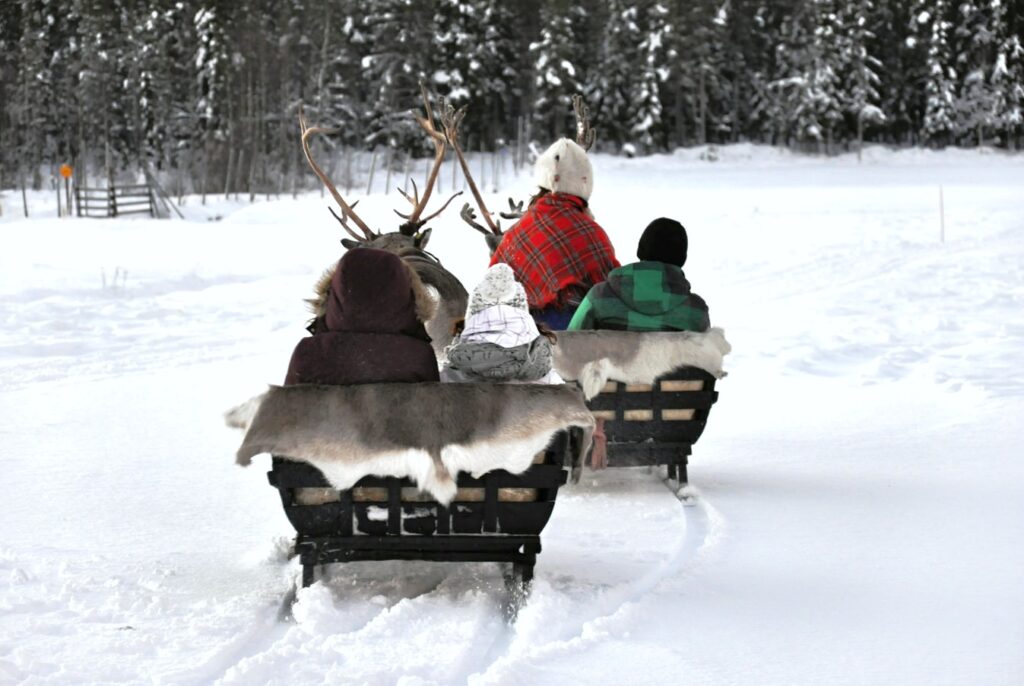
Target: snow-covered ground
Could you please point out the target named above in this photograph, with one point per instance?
(861, 509)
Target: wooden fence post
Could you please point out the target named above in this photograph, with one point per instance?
(454, 174)
(227, 174)
(373, 167)
(483, 165)
(408, 165)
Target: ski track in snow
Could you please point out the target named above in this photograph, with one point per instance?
(859, 517)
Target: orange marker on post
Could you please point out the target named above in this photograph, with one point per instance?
(65, 172)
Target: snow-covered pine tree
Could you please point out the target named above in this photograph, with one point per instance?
(45, 91)
(769, 26)
(109, 115)
(742, 64)
(860, 68)
(693, 69)
(477, 57)
(557, 63)
(212, 105)
(629, 101)
(455, 30)
(165, 35)
(497, 63)
(810, 64)
(397, 57)
(646, 116)
(336, 98)
(1008, 75)
(900, 43)
(939, 110)
(10, 66)
(975, 58)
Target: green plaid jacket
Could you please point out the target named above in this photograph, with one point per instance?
(643, 296)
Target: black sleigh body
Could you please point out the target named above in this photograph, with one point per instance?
(499, 507)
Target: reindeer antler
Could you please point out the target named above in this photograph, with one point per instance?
(346, 209)
(450, 120)
(584, 134)
(413, 219)
(515, 210)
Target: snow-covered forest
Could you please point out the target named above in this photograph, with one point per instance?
(209, 91)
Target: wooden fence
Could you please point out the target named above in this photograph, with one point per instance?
(115, 201)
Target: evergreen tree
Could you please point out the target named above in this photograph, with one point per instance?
(1007, 77)
(338, 98)
(398, 56)
(810, 62)
(939, 111)
(975, 102)
(697, 61)
(861, 80)
(628, 93)
(165, 36)
(900, 43)
(558, 68)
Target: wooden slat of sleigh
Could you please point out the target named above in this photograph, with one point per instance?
(321, 496)
(667, 386)
(372, 494)
(667, 415)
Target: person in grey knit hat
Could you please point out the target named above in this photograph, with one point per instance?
(499, 340)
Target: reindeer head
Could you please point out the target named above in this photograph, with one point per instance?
(410, 236)
(493, 234)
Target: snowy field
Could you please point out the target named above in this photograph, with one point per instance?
(860, 517)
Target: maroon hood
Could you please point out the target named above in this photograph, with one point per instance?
(371, 291)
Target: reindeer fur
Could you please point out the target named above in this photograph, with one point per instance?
(426, 431)
(593, 357)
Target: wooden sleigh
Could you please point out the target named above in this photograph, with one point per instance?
(654, 390)
(498, 517)
(656, 423)
(502, 452)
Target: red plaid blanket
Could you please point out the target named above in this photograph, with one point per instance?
(557, 251)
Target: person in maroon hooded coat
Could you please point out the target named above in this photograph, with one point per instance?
(368, 328)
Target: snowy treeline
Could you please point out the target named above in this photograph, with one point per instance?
(209, 89)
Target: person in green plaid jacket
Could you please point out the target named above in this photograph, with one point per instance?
(650, 295)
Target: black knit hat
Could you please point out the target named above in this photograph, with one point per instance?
(664, 240)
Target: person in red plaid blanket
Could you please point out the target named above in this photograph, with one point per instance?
(557, 250)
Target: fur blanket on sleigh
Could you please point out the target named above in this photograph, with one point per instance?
(428, 432)
(592, 358)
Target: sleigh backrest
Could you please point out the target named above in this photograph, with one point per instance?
(513, 504)
(671, 410)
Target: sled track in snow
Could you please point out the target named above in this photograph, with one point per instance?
(464, 601)
(705, 528)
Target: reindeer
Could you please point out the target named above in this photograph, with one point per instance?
(410, 240)
(585, 136)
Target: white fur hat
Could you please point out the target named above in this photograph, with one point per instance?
(565, 168)
(499, 287)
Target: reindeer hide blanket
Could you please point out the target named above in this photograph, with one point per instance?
(593, 357)
(426, 431)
